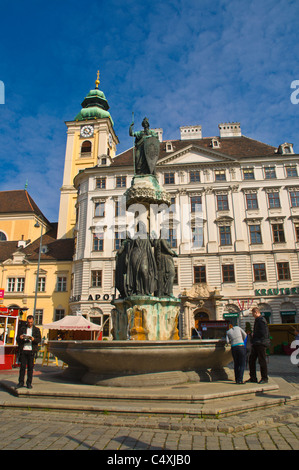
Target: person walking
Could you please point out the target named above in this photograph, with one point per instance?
(28, 338)
(260, 342)
(236, 336)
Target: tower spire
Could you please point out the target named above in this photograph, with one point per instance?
(98, 79)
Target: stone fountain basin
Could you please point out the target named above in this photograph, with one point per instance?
(143, 363)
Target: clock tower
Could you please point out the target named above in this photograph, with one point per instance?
(91, 141)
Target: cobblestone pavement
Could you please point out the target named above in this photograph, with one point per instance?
(275, 428)
(49, 430)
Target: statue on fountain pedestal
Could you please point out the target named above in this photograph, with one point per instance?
(142, 268)
(165, 265)
(147, 148)
(122, 258)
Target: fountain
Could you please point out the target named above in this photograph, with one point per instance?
(146, 350)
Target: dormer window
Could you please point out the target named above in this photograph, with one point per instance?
(285, 148)
(215, 143)
(169, 147)
(104, 161)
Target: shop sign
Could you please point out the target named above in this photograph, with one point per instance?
(77, 298)
(282, 291)
(231, 315)
(1, 294)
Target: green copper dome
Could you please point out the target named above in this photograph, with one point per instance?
(94, 106)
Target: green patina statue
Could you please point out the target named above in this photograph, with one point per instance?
(147, 148)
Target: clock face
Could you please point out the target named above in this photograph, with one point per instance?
(86, 131)
(110, 140)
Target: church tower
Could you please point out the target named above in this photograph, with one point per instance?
(91, 141)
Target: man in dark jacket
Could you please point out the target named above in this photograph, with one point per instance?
(260, 342)
(28, 339)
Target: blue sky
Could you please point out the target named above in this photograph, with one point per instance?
(180, 62)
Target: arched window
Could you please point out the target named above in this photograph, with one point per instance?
(86, 148)
(3, 237)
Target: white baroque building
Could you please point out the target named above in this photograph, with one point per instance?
(234, 222)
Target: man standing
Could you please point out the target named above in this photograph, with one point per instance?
(28, 339)
(236, 336)
(260, 342)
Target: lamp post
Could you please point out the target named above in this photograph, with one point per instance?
(37, 225)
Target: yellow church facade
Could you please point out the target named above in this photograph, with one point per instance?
(36, 257)
(91, 142)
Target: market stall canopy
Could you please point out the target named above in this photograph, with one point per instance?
(73, 322)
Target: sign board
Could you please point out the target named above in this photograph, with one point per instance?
(1, 294)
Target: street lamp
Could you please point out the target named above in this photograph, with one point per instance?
(37, 225)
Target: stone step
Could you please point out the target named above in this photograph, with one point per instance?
(204, 400)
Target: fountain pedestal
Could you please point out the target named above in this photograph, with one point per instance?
(146, 318)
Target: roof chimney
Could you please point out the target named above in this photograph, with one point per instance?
(190, 132)
(160, 134)
(230, 129)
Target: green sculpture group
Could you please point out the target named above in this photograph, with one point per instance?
(144, 263)
(140, 271)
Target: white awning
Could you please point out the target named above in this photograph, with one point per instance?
(72, 322)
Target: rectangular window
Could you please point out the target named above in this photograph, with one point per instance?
(251, 201)
(98, 241)
(172, 237)
(291, 171)
(41, 284)
(96, 278)
(59, 314)
(172, 207)
(283, 271)
(222, 202)
(255, 234)
(61, 284)
(196, 204)
(15, 284)
(273, 199)
(270, 173)
(248, 174)
(101, 183)
(296, 226)
(99, 209)
(121, 181)
(11, 284)
(197, 237)
(225, 235)
(228, 273)
(168, 178)
(39, 313)
(199, 274)
(259, 272)
(20, 284)
(278, 233)
(294, 198)
(194, 177)
(220, 175)
(120, 207)
(118, 237)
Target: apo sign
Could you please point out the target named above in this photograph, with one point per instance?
(92, 298)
